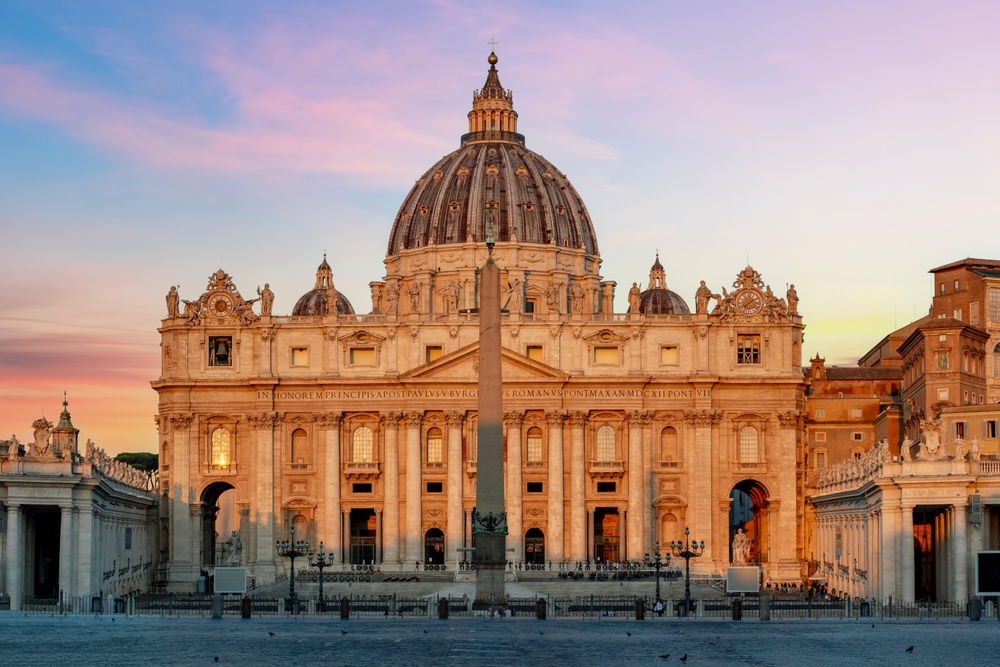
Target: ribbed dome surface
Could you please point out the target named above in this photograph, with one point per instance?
(314, 303)
(662, 302)
(535, 201)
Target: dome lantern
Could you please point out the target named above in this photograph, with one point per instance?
(493, 107)
(317, 302)
(657, 299)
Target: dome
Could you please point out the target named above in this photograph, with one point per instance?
(535, 202)
(657, 299)
(314, 302)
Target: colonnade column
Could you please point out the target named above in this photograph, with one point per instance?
(182, 570)
(331, 487)
(515, 534)
(346, 533)
(634, 546)
(414, 463)
(13, 557)
(390, 511)
(702, 525)
(85, 550)
(577, 488)
(591, 550)
(456, 528)
(265, 517)
(960, 556)
(906, 555)
(378, 537)
(555, 539)
(66, 559)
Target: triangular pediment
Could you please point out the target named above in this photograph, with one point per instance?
(463, 366)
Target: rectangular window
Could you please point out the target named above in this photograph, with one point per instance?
(821, 414)
(855, 414)
(974, 312)
(956, 285)
(300, 356)
(990, 428)
(957, 314)
(535, 353)
(942, 288)
(942, 394)
(435, 446)
(606, 355)
(128, 538)
(966, 395)
(435, 487)
(820, 459)
(669, 355)
(748, 349)
(432, 353)
(362, 488)
(959, 430)
(362, 356)
(857, 436)
(220, 350)
(994, 304)
(535, 487)
(607, 487)
(821, 436)
(529, 306)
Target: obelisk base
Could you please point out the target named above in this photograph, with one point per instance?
(491, 565)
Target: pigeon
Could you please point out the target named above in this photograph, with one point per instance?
(540, 632)
(684, 658)
(112, 620)
(665, 656)
(873, 625)
(271, 633)
(909, 650)
(217, 658)
(425, 632)
(629, 634)
(343, 632)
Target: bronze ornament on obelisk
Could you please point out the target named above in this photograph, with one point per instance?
(489, 520)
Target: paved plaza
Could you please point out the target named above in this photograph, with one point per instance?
(39, 639)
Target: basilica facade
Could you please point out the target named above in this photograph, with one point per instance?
(359, 430)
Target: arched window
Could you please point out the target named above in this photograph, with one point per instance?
(361, 445)
(605, 444)
(534, 444)
(668, 444)
(749, 450)
(434, 448)
(299, 445)
(472, 444)
(222, 454)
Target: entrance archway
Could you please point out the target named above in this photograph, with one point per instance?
(748, 512)
(606, 534)
(363, 528)
(534, 547)
(434, 547)
(216, 525)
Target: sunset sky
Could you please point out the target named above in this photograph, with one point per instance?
(844, 147)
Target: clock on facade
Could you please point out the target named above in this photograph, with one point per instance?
(749, 302)
(221, 304)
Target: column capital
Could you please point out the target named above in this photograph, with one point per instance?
(328, 420)
(513, 418)
(555, 419)
(413, 418)
(454, 418)
(262, 420)
(702, 418)
(636, 418)
(181, 419)
(577, 419)
(791, 419)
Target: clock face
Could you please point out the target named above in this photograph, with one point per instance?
(221, 304)
(749, 302)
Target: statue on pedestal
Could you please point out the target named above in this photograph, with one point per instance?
(741, 548)
(793, 300)
(634, 299)
(414, 291)
(701, 297)
(266, 300)
(235, 548)
(391, 298)
(552, 297)
(172, 300)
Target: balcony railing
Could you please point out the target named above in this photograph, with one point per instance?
(360, 469)
(986, 468)
(470, 468)
(607, 468)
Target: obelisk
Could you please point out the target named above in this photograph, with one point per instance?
(489, 521)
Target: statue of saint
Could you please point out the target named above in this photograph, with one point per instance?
(414, 291)
(975, 450)
(451, 292)
(793, 300)
(514, 301)
(235, 550)
(266, 300)
(576, 296)
(552, 297)
(391, 298)
(172, 300)
(741, 548)
(634, 299)
(701, 298)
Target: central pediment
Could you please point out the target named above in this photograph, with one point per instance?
(463, 366)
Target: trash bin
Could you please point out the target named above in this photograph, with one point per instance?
(443, 609)
(975, 608)
(866, 608)
(246, 607)
(345, 608)
(737, 609)
(540, 609)
(682, 609)
(640, 610)
(4, 601)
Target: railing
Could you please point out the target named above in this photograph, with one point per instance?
(986, 468)
(361, 469)
(607, 468)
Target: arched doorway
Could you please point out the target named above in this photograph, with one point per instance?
(748, 512)
(363, 536)
(434, 547)
(534, 547)
(218, 521)
(606, 534)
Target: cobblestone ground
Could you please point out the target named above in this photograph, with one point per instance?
(80, 640)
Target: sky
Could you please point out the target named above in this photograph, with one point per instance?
(844, 147)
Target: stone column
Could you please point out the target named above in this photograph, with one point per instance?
(891, 527)
(702, 421)
(590, 555)
(265, 511)
(182, 571)
(66, 556)
(515, 536)
(197, 536)
(390, 520)
(577, 488)
(346, 532)
(636, 474)
(414, 464)
(378, 537)
(85, 582)
(330, 424)
(13, 558)
(456, 528)
(623, 531)
(906, 553)
(555, 538)
(783, 543)
(960, 554)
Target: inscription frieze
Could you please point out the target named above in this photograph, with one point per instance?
(403, 394)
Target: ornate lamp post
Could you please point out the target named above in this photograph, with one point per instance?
(687, 550)
(292, 549)
(656, 563)
(322, 562)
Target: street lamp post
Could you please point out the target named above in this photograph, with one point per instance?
(322, 562)
(687, 550)
(656, 563)
(292, 549)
